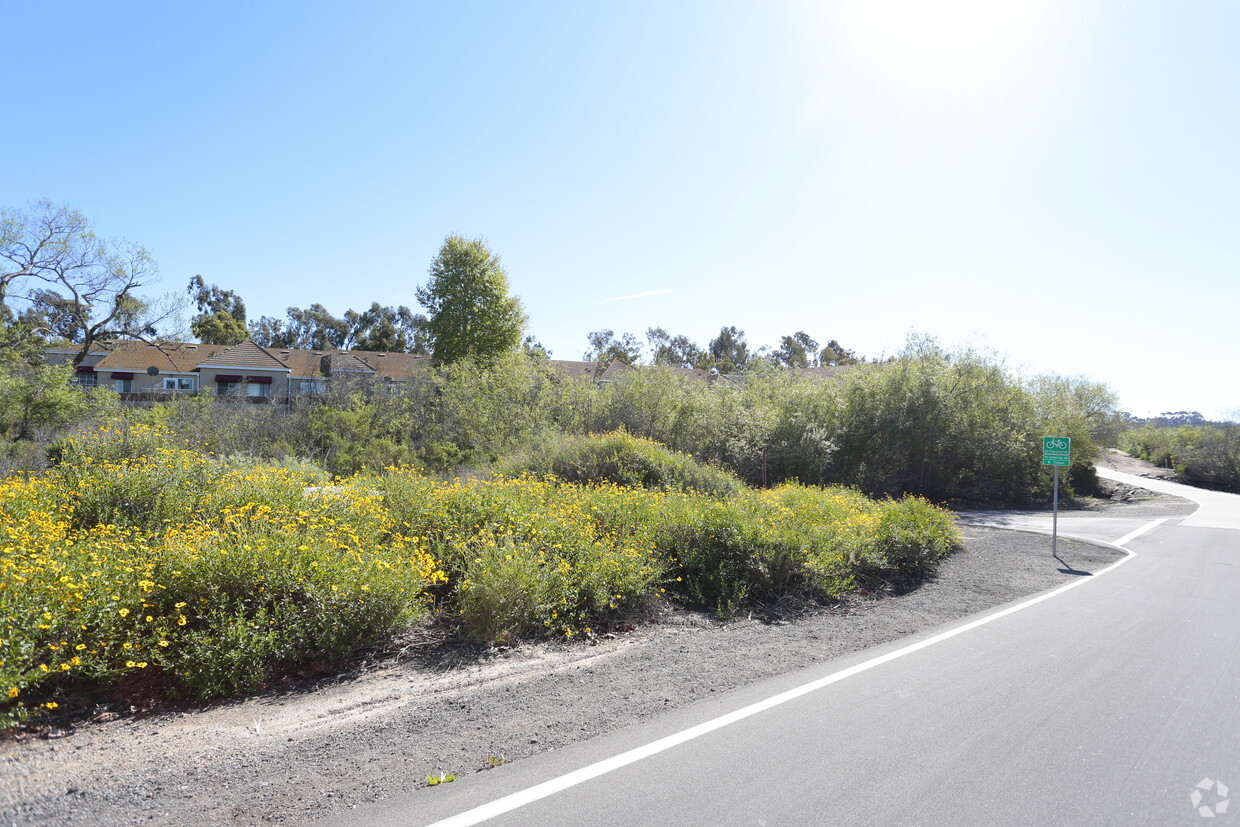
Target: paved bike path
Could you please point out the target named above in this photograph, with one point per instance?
(1105, 704)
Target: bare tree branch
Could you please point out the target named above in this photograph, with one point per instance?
(62, 277)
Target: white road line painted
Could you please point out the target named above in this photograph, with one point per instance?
(531, 794)
(1132, 535)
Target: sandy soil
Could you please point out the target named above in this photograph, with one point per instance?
(306, 754)
(1125, 462)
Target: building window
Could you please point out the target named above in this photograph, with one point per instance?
(86, 380)
(122, 385)
(226, 383)
(311, 386)
(178, 383)
(256, 389)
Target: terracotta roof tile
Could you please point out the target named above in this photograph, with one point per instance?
(344, 362)
(616, 368)
(393, 365)
(301, 363)
(575, 370)
(168, 358)
(245, 355)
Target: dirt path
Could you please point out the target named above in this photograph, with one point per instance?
(1122, 461)
(303, 755)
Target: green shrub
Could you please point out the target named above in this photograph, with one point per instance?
(244, 580)
(168, 568)
(912, 537)
(762, 545)
(1207, 455)
(622, 459)
(523, 556)
(116, 442)
(37, 402)
(225, 654)
(142, 476)
(331, 580)
(147, 492)
(509, 590)
(718, 550)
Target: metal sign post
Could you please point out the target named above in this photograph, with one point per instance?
(1055, 518)
(1056, 451)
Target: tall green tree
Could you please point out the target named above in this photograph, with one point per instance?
(389, 329)
(677, 351)
(606, 348)
(268, 331)
(470, 310)
(221, 314)
(797, 351)
(836, 354)
(729, 351)
(314, 328)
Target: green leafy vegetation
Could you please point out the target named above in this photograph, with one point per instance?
(471, 312)
(949, 426)
(622, 459)
(37, 404)
(202, 549)
(1205, 454)
(141, 565)
(60, 281)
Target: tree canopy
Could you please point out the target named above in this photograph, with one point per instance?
(797, 351)
(729, 351)
(726, 353)
(606, 348)
(836, 354)
(391, 329)
(677, 351)
(313, 328)
(58, 280)
(221, 314)
(470, 310)
(378, 328)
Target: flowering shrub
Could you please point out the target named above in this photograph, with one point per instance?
(205, 584)
(139, 563)
(525, 556)
(623, 459)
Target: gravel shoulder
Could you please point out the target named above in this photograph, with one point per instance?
(301, 755)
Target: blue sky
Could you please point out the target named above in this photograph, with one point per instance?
(1057, 182)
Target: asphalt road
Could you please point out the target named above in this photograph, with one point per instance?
(1113, 700)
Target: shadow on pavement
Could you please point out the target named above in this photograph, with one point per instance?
(1067, 568)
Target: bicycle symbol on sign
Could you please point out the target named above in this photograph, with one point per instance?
(1052, 443)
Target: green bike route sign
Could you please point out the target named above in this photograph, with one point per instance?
(1056, 450)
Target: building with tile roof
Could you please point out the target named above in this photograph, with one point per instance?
(142, 371)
